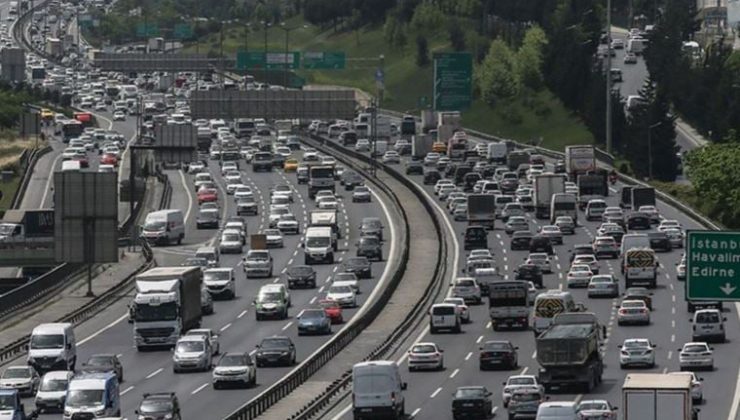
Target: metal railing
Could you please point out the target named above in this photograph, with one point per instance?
(31, 158)
(262, 402)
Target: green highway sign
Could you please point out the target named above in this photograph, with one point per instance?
(713, 265)
(254, 60)
(183, 31)
(324, 60)
(453, 81)
(144, 30)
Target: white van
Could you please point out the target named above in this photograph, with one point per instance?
(53, 390)
(52, 347)
(103, 169)
(164, 227)
(128, 92)
(549, 304)
(636, 45)
(497, 152)
(377, 390)
(210, 253)
(318, 245)
(563, 204)
(634, 240)
(92, 395)
(71, 166)
(444, 316)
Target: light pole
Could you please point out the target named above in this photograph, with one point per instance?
(650, 149)
(286, 66)
(247, 28)
(609, 76)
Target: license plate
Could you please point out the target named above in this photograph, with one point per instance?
(468, 405)
(366, 410)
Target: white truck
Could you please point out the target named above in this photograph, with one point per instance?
(326, 218)
(545, 186)
(496, 152)
(482, 210)
(579, 160)
(657, 396)
(27, 226)
(167, 303)
(382, 127)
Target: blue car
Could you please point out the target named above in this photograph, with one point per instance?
(314, 321)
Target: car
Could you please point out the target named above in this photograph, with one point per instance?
(119, 116)
(633, 312)
(303, 275)
(333, 310)
(603, 285)
(697, 389)
(553, 233)
(521, 240)
(192, 353)
(480, 254)
(272, 301)
(708, 326)
(327, 203)
(529, 272)
(207, 195)
(288, 224)
(391, 156)
(257, 262)
(101, 363)
(524, 403)
(231, 242)
(675, 237)
(639, 293)
(370, 247)
(360, 266)
(617, 44)
(196, 167)
(579, 275)
(109, 159)
(246, 206)
(464, 310)
(652, 213)
(290, 165)
(541, 260)
(596, 410)
(565, 224)
(414, 167)
(471, 402)
(630, 58)
(273, 238)
(425, 356)
(314, 321)
(516, 224)
(532, 292)
(343, 294)
(605, 245)
(234, 369)
(587, 259)
(206, 301)
(669, 224)
(275, 351)
(361, 194)
(460, 213)
(595, 208)
(23, 379)
(515, 382)
(362, 145)
(636, 352)
(540, 243)
(696, 355)
(498, 354)
(159, 405)
(468, 289)
(659, 241)
(638, 221)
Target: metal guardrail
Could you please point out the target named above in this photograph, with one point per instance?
(262, 402)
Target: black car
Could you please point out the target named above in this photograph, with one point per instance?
(471, 402)
(303, 275)
(102, 363)
(529, 272)
(414, 167)
(461, 171)
(371, 226)
(476, 237)
(638, 221)
(431, 176)
(207, 219)
(293, 143)
(350, 180)
(370, 247)
(581, 249)
(469, 181)
(659, 241)
(360, 266)
(498, 354)
(520, 240)
(159, 405)
(541, 243)
(275, 351)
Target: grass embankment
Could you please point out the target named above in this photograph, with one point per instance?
(539, 118)
(10, 152)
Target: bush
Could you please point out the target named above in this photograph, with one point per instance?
(512, 116)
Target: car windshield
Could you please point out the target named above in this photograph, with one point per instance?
(231, 237)
(356, 262)
(695, 348)
(369, 241)
(368, 384)
(233, 360)
(189, 346)
(521, 381)
(99, 361)
(707, 318)
(470, 393)
(258, 256)
(635, 344)
(84, 397)
(424, 348)
(300, 271)
(47, 341)
(633, 304)
(317, 241)
(54, 385)
(155, 406)
(155, 225)
(340, 289)
(275, 343)
(525, 396)
(195, 262)
(216, 275)
(318, 314)
(496, 346)
(17, 373)
(465, 283)
(601, 279)
(270, 297)
(7, 402)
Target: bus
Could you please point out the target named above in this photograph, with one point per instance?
(457, 145)
(71, 129)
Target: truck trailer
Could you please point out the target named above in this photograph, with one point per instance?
(642, 196)
(482, 210)
(579, 160)
(657, 396)
(421, 144)
(545, 186)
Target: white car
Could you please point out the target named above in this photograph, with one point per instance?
(633, 312)
(696, 355)
(540, 259)
(284, 190)
(362, 145)
(463, 308)
(196, 167)
(344, 295)
(596, 409)
(697, 389)
(119, 116)
(480, 254)
(425, 356)
(579, 275)
(243, 191)
(391, 156)
(520, 382)
(231, 242)
(665, 224)
(532, 292)
(327, 203)
(553, 232)
(289, 224)
(651, 212)
(273, 237)
(466, 288)
(431, 159)
(636, 351)
(441, 183)
(589, 260)
(233, 176)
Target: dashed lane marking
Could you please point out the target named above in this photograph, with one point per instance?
(198, 389)
(155, 373)
(436, 392)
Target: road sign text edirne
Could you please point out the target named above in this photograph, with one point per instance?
(713, 265)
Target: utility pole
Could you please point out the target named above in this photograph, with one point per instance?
(650, 149)
(609, 76)
(374, 128)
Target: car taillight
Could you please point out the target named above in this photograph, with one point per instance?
(622, 311)
(643, 311)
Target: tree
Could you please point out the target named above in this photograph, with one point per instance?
(456, 35)
(530, 56)
(427, 18)
(497, 78)
(707, 167)
(422, 51)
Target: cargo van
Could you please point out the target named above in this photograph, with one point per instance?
(444, 316)
(210, 253)
(318, 246)
(52, 347)
(92, 395)
(164, 227)
(563, 204)
(377, 390)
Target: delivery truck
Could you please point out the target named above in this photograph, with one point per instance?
(642, 196)
(421, 144)
(545, 186)
(482, 210)
(657, 396)
(579, 160)
(27, 226)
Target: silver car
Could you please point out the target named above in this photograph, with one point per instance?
(603, 285)
(192, 352)
(467, 289)
(22, 378)
(696, 355)
(565, 224)
(235, 369)
(633, 312)
(553, 233)
(636, 352)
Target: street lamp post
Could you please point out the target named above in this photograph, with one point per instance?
(608, 76)
(650, 149)
(286, 66)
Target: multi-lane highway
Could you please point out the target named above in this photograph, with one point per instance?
(429, 394)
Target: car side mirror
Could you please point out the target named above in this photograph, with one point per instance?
(441, 351)
(711, 348)
(136, 411)
(619, 346)
(653, 345)
(404, 385)
(678, 349)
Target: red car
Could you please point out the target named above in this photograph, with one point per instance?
(207, 195)
(109, 159)
(84, 163)
(333, 310)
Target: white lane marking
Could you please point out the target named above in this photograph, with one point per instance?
(155, 373)
(479, 340)
(534, 355)
(49, 179)
(312, 301)
(673, 298)
(673, 310)
(321, 289)
(251, 353)
(673, 338)
(469, 355)
(436, 392)
(102, 330)
(488, 325)
(225, 327)
(127, 390)
(673, 323)
(188, 193)
(328, 279)
(277, 279)
(670, 285)
(665, 370)
(493, 412)
(670, 354)
(300, 314)
(198, 389)
(454, 373)
(287, 325)
(524, 371)
(244, 312)
(415, 412)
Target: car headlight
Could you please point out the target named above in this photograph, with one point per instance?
(100, 412)
(67, 413)
(168, 416)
